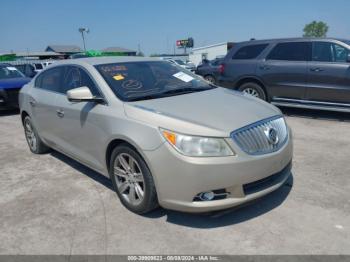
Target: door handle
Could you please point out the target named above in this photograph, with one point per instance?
(264, 67)
(60, 113)
(317, 69)
(32, 102)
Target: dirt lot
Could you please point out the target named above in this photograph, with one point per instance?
(50, 204)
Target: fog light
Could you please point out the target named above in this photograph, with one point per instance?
(207, 196)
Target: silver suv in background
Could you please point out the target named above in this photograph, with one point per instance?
(298, 72)
(161, 134)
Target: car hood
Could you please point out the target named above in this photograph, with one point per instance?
(13, 82)
(215, 112)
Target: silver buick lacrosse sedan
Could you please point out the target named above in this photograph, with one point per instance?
(163, 135)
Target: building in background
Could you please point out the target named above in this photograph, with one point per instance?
(209, 52)
(115, 50)
(64, 50)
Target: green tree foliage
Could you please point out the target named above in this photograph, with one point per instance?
(316, 29)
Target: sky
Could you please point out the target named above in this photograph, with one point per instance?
(155, 25)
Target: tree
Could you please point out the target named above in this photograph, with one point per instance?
(316, 29)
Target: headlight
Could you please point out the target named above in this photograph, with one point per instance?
(197, 146)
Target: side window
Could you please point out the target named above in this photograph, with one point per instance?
(76, 77)
(328, 52)
(340, 53)
(322, 52)
(51, 79)
(293, 51)
(249, 52)
(38, 80)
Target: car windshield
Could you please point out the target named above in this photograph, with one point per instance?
(8, 72)
(132, 81)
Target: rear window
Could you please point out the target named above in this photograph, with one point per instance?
(293, 51)
(249, 52)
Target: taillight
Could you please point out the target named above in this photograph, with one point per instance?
(221, 68)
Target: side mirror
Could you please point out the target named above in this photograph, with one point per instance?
(348, 58)
(82, 94)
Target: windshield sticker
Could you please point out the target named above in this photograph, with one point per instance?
(118, 77)
(11, 68)
(132, 84)
(183, 77)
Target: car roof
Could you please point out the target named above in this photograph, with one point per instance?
(107, 60)
(293, 39)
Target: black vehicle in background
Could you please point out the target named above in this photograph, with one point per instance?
(11, 81)
(298, 72)
(209, 69)
(27, 69)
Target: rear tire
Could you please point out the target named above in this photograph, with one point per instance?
(210, 79)
(253, 89)
(132, 180)
(36, 145)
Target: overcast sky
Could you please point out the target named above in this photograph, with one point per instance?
(156, 25)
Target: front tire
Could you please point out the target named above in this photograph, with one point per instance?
(36, 145)
(253, 89)
(132, 180)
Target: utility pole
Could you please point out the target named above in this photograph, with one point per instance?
(83, 30)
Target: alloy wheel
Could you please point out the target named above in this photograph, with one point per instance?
(252, 92)
(129, 179)
(30, 135)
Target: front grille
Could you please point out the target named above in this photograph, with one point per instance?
(254, 139)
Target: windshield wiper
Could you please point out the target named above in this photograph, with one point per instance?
(184, 90)
(146, 97)
(179, 91)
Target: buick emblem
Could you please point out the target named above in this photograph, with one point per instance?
(272, 135)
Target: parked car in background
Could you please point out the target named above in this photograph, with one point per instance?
(11, 81)
(27, 69)
(179, 62)
(38, 67)
(47, 63)
(162, 134)
(300, 72)
(209, 70)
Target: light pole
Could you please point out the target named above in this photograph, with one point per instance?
(82, 30)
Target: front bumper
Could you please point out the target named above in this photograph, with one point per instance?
(179, 179)
(9, 98)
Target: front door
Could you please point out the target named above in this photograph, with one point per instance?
(329, 74)
(80, 127)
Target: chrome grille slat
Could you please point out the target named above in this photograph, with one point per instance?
(253, 140)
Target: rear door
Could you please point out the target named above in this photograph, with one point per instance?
(42, 102)
(284, 71)
(329, 73)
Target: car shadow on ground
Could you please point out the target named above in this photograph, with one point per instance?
(316, 114)
(11, 112)
(206, 220)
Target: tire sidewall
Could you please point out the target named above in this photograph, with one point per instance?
(150, 197)
(28, 119)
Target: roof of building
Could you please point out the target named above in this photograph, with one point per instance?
(32, 54)
(106, 60)
(118, 49)
(209, 46)
(64, 48)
